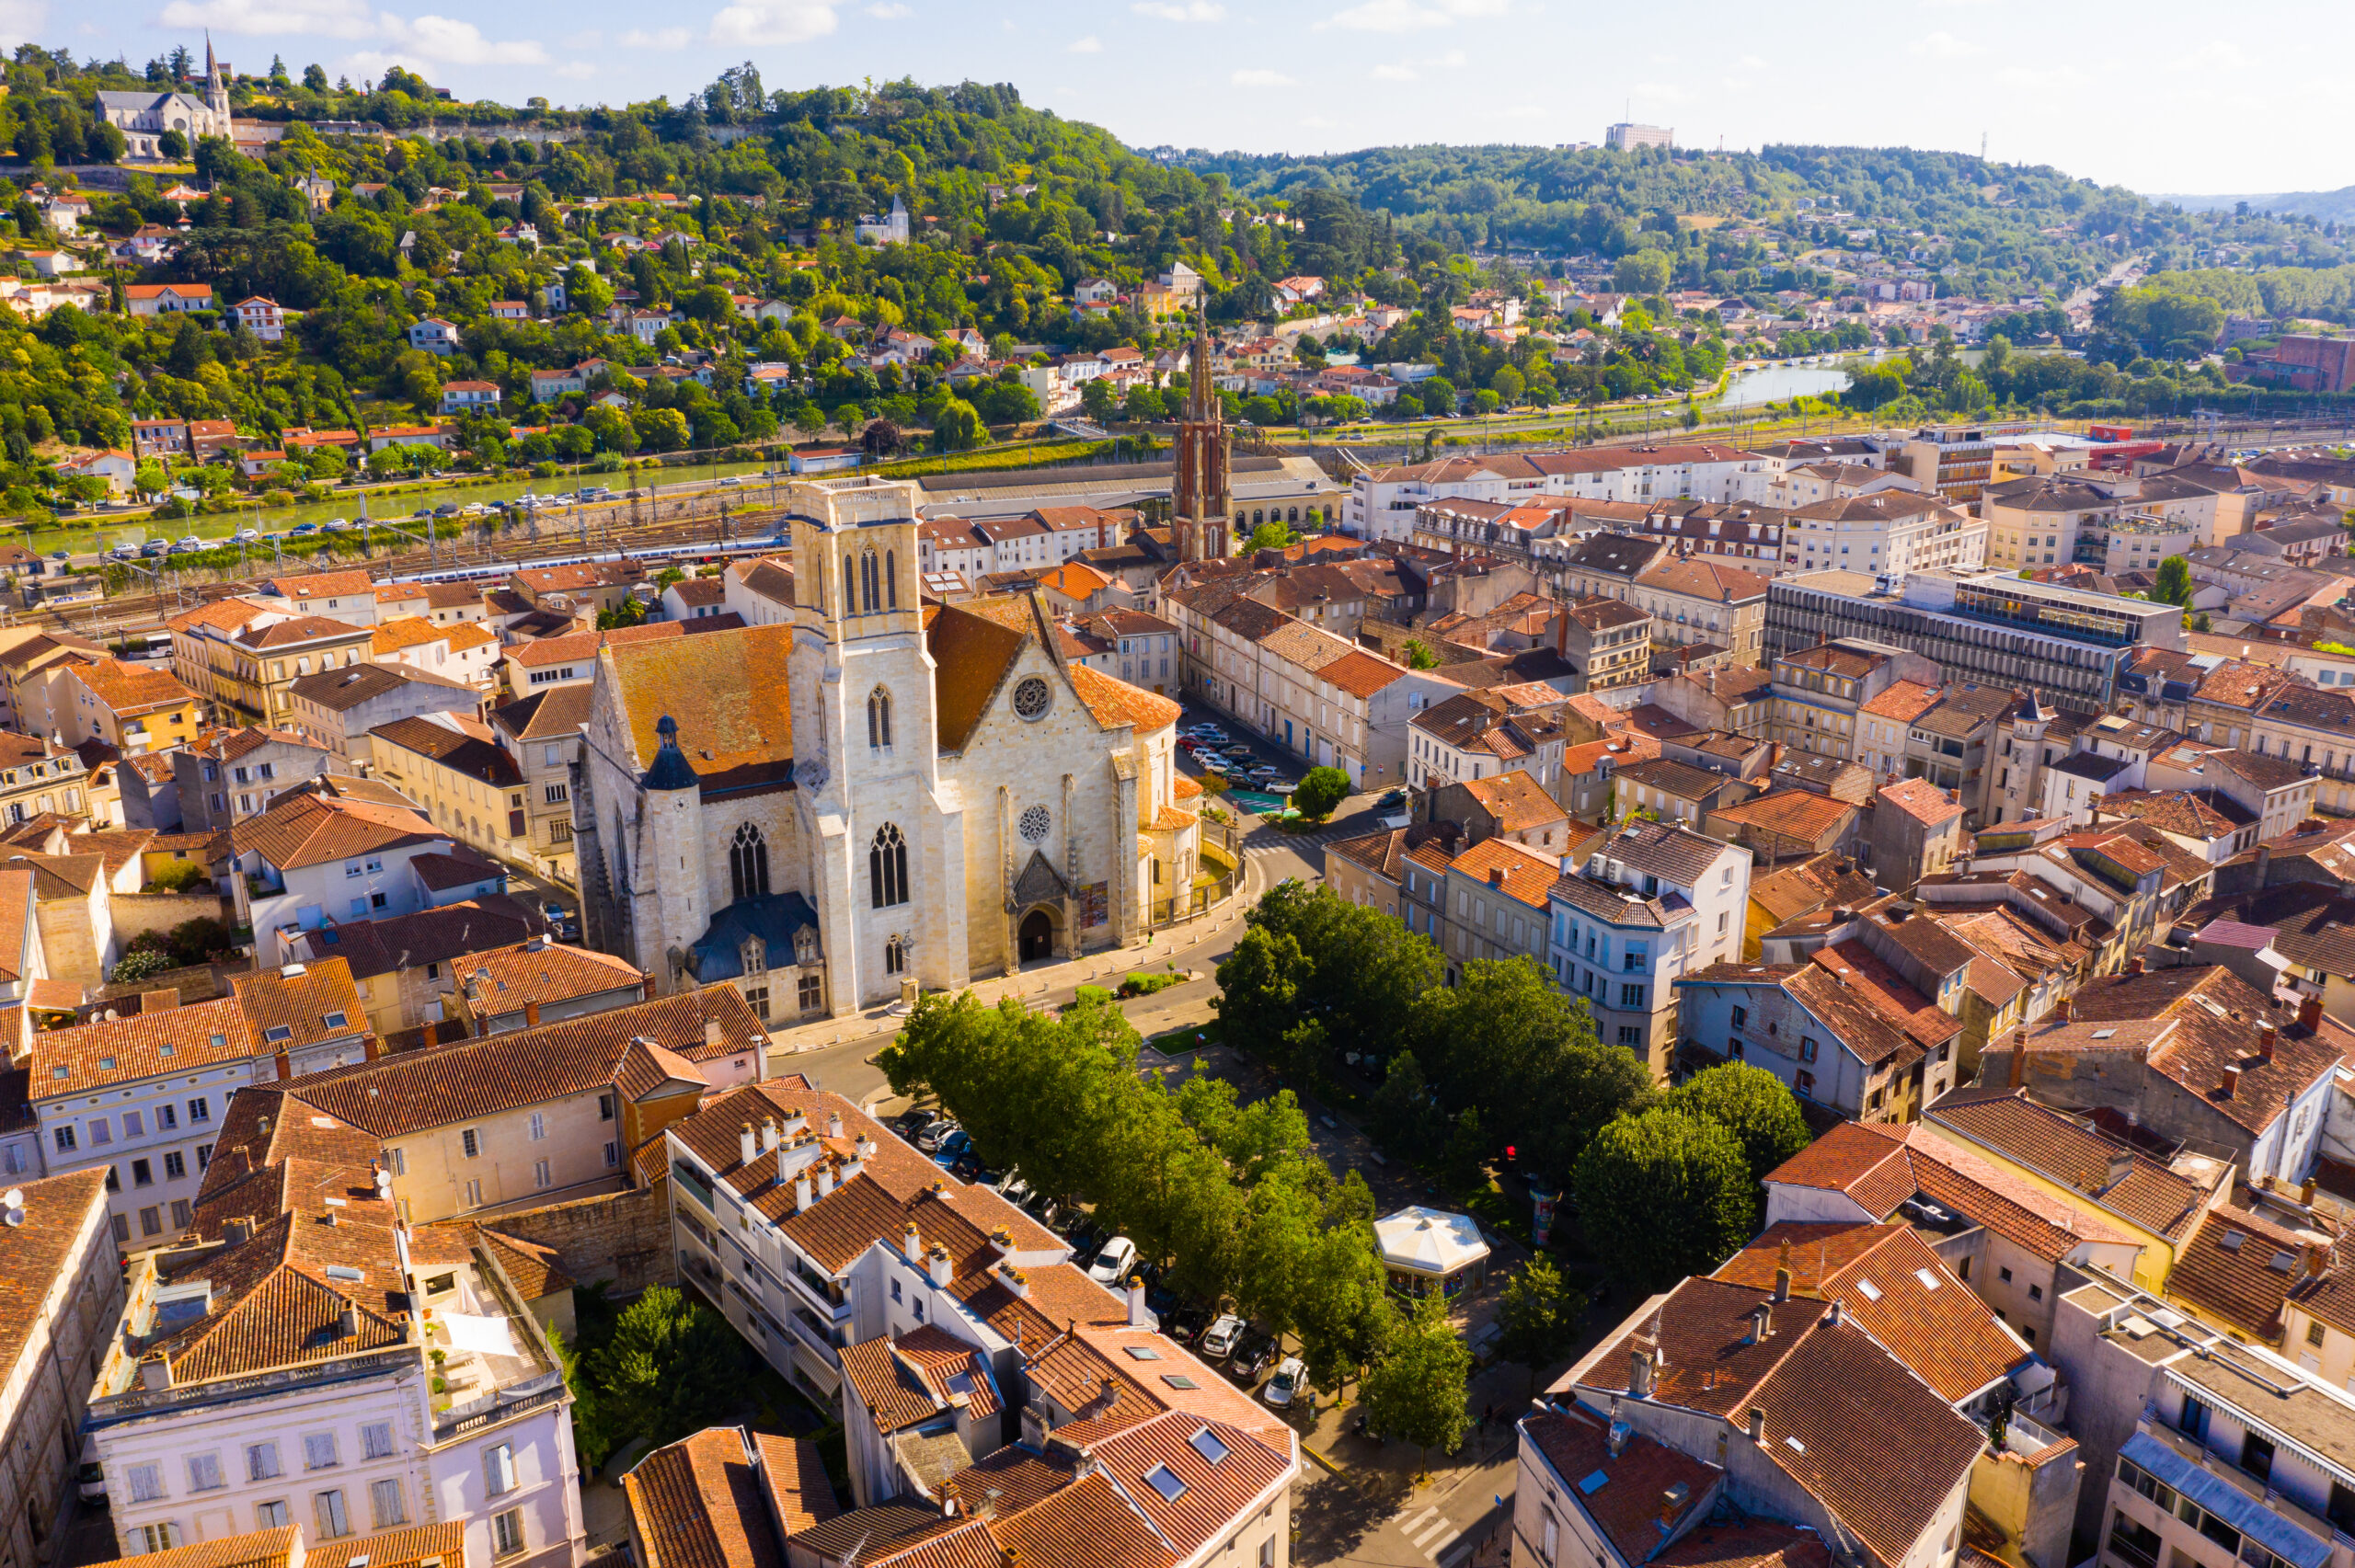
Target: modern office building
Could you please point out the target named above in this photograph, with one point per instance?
(1983, 627)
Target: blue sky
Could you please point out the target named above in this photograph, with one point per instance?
(2156, 95)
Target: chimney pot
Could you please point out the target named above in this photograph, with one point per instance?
(802, 1199)
(2317, 1259)
(530, 1014)
(2267, 1038)
(2134, 965)
(2310, 1012)
(769, 1134)
(2067, 1010)
(1782, 1285)
(1639, 1374)
(1757, 1424)
(746, 1145)
(2232, 1082)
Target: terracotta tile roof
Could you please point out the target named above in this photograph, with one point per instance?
(1361, 673)
(1527, 875)
(2005, 1125)
(1904, 702)
(1757, 1544)
(414, 1090)
(1624, 1493)
(1844, 1419)
(1800, 889)
(2241, 1266)
(552, 713)
(1897, 1289)
(582, 646)
(727, 692)
(1214, 1495)
(287, 1012)
(1922, 800)
(262, 1548)
(502, 980)
(924, 1373)
(1087, 1525)
(130, 689)
(1710, 581)
(324, 585)
(307, 829)
(347, 686)
(32, 1255)
(438, 935)
(403, 632)
(273, 1304)
(1797, 814)
(177, 1039)
(1862, 1160)
(966, 1545)
(1115, 703)
(455, 742)
(1515, 801)
(697, 1503)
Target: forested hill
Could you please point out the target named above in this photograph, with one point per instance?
(2001, 224)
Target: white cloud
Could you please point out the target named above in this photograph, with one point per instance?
(1943, 45)
(1189, 11)
(664, 37)
(588, 38)
(1091, 45)
(1751, 62)
(575, 70)
(1394, 74)
(1662, 92)
(1315, 122)
(767, 23)
(1413, 16)
(1258, 77)
(327, 19)
(445, 41)
(889, 12)
(1454, 60)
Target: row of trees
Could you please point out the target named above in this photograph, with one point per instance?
(1502, 1059)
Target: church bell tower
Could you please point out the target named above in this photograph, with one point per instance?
(1199, 498)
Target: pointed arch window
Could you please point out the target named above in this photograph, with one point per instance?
(850, 586)
(890, 580)
(870, 594)
(748, 863)
(879, 719)
(895, 956)
(887, 867)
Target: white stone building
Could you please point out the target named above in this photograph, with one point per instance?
(877, 794)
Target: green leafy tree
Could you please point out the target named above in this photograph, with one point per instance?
(1404, 1116)
(1259, 985)
(1319, 791)
(1270, 536)
(672, 1366)
(1539, 1315)
(1419, 656)
(2173, 586)
(1417, 1392)
(1642, 272)
(1662, 1195)
(958, 427)
(1751, 1103)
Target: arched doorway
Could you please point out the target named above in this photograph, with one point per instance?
(1036, 935)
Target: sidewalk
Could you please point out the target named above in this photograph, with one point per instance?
(1049, 981)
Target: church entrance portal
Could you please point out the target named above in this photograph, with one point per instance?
(1038, 935)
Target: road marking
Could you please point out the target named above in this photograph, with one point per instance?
(1459, 1552)
(1418, 1522)
(1441, 1532)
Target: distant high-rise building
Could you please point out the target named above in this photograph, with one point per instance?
(1625, 137)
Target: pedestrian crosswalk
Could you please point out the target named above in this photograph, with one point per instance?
(1432, 1533)
(1270, 841)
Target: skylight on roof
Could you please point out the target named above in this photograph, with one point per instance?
(1142, 1353)
(2233, 1240)
(1929, 1281)
(334, 1020)
(1179, 1380)
(2278, 1263)
(1797, 1447)
(1164, 1479)
(2104, 1034)
(1206, 1444)
(1871, 1291)
(219, 1041)
(106, 1064)
(277, 1032)
(344, 1273)
(1593, 1483)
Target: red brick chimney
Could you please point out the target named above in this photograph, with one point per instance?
(2310, 1013)
(2267, 1038)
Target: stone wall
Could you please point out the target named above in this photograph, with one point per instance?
(622, 1237)
(159, 912)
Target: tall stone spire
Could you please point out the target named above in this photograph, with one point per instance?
(1198, 496)
(216, 91)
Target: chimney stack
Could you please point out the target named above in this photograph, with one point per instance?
(834, 1124)
(769, 1135)
(937, 1266)
(530, 1014)
(711, 1033)
(2317, 1259)
(1639, 1374)
(802, 1199)
(2122, 1165)
(2267, 1038)
(1783, 1284)
(2231, 1085)
(746, 1145)
(2306, 1192)
(911, 1246)
(2310, 1013)
(1139, 1315)
(1762, 1323)
(2134, 965)
(1757, 1425)
(2067, 1010)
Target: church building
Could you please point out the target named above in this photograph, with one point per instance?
(880, 791)
(142, 116)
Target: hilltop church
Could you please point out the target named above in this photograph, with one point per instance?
(882, 790)
(143, 117)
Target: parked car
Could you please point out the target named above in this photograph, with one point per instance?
(909, 1124)
(1391, 800)
(1112, 1265)
(1290, 1375)
(89, 1476)
(337, 525)
(1187, 1323)
(955, 1147)
(1211, 762)
(1218, 1339)
(1240, 752)
(61, 554)
(1252, 1354)
(303, 529)
(1265, 773)
(929, 1139)
(190, 541)
(248, 535)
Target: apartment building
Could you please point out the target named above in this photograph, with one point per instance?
(352, 596)
(542, 733)
(129, 707)
(243, 657)
(1486, 734)
(314, 858)
(1953, 462)
(1327, 701)
(532, 1116)
(407, 967)
(461, 777)
(1822, 691)
(1884, 533)
(230, 775)
(39, 777)
(1646, 905)
(1693, 601)
(63, 1281)
(1982, 628)
(142, 1097)
(338, 707)
(957, 1341)
(307, 1359)
(2037, 520)
(1607, 642)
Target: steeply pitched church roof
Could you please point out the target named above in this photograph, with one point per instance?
(726, 692)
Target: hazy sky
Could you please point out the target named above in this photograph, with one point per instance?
(2157, 95)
